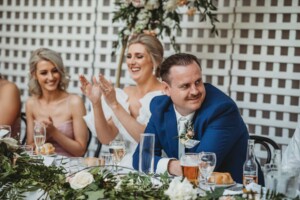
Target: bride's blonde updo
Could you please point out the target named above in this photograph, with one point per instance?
(153, 47)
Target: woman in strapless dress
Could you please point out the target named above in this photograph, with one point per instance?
(125, 113)
(50, 103)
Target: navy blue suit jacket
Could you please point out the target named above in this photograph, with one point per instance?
(217, 124)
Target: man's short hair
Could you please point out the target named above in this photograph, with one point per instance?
(182, 59)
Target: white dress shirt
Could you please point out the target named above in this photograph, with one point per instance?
(162, 164)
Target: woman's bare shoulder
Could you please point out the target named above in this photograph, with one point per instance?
(75, 99)
(10, 87)
(31, 102)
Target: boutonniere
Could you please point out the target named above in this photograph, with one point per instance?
(187, 136)
(188, 132)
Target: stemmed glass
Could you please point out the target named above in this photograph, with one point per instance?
(207, 165)
(5, 131)
(117, 149)
(39, 135)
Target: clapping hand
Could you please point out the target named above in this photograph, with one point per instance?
(91, 91)
(108, 91)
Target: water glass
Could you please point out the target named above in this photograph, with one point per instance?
(27, 149)
(106, 159)
(207, 164)
(190, 167)
(146, 153)
(271, 176)
(211, 183)
(5, 131)
(117, 149)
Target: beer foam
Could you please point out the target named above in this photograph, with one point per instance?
(190, 161)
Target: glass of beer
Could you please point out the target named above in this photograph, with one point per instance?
(190, 167)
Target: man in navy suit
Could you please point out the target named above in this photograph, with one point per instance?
(216, 120)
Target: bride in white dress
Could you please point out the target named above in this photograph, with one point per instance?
(126, 112)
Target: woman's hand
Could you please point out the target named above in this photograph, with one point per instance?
(108, 91)
(50, 128)
(92, 92)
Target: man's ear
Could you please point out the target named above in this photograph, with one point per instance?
(166, 88)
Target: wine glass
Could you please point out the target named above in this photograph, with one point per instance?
(117, 149)
(39, 135)
(207, 165)
(5, 131)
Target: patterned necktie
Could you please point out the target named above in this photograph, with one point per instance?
(181, 129)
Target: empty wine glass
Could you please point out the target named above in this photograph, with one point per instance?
(117, 149)
(5, 131)
(39, 135)
(207, 165)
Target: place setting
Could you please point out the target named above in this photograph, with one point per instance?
(198, 169)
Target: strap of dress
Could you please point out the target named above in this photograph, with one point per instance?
(68, 103)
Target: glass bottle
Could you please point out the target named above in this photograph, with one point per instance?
(250, 168)
(276, 160)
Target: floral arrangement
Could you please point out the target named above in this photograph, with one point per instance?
(20, 173)
(158, 17)
(179, 189)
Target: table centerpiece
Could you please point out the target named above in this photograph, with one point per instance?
(20, 173)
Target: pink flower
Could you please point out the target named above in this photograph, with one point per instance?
(138, 3)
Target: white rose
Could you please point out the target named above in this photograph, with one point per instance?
(143, 14)
(11, 143)
(152, 4)
(181, 190)
(81, 180)
(170, 5)
(127, 32)
(169, 22)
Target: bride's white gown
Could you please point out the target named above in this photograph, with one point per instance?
(143, 118)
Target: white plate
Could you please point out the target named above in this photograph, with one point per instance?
(50, 155)
(225, 185)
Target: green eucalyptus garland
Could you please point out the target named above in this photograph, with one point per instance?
(20, 173)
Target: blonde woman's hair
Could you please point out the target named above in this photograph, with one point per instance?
(153, 47)
(53, 57)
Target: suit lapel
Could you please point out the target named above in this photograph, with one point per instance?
(172, 133)
(197, 131)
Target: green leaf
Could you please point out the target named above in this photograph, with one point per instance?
(95, 194)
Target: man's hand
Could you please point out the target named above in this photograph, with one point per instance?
(174, 168)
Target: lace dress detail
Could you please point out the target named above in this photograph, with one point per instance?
(143, 118)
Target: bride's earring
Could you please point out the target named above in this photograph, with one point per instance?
(154, 71)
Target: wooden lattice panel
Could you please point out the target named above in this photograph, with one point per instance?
(266, 70)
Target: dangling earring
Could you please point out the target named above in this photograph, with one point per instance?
(154, 71)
